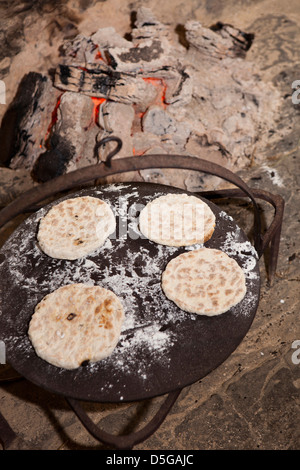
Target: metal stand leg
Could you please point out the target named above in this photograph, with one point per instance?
(129, 441)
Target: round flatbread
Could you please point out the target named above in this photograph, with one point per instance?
(75, 227)
(204, 281)
(76, 323)
(177, 220)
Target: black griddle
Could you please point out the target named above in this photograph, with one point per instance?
(194, 345)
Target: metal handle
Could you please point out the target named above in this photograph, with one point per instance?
(127, 164)
(130, 440)
(114, 152)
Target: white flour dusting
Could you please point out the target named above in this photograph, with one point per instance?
(248, 258)
(273, 175)
(244, 250)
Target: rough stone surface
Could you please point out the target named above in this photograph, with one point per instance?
(252, 400)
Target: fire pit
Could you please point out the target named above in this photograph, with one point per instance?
(191, 93)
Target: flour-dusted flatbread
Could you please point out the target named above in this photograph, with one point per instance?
(75, 227)
(204, 281)
(177, 220)
(76, 323)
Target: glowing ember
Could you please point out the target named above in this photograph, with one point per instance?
(97, 103)
(52, 122)
(98, 56)
(160, 84)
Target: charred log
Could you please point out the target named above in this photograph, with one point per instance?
(219, 41)
(53, 162)
(241, 41)
(14, 135)
(104, 82)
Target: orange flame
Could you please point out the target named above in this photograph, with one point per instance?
(98, 56)
(97, 104)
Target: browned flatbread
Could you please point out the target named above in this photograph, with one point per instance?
(177, 220)
(205, 281)
(76, 323)
(75, 227)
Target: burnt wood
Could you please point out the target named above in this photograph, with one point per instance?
(100, 82)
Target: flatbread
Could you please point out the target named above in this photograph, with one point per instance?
(205, 281)
(177, 220)
(75, 227)
(76, 323)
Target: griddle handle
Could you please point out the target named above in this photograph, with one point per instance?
(128, 441)
(271, 237)
(87, 174)
(114, 152)
(128, 164)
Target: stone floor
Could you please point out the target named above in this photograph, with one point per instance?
(252, 400)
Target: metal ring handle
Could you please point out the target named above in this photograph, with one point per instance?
(114, 152)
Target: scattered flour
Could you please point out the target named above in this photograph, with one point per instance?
(273, 175)
(244, 250)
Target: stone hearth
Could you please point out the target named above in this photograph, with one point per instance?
(251, 401)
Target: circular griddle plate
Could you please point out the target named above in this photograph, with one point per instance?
(161, 348)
